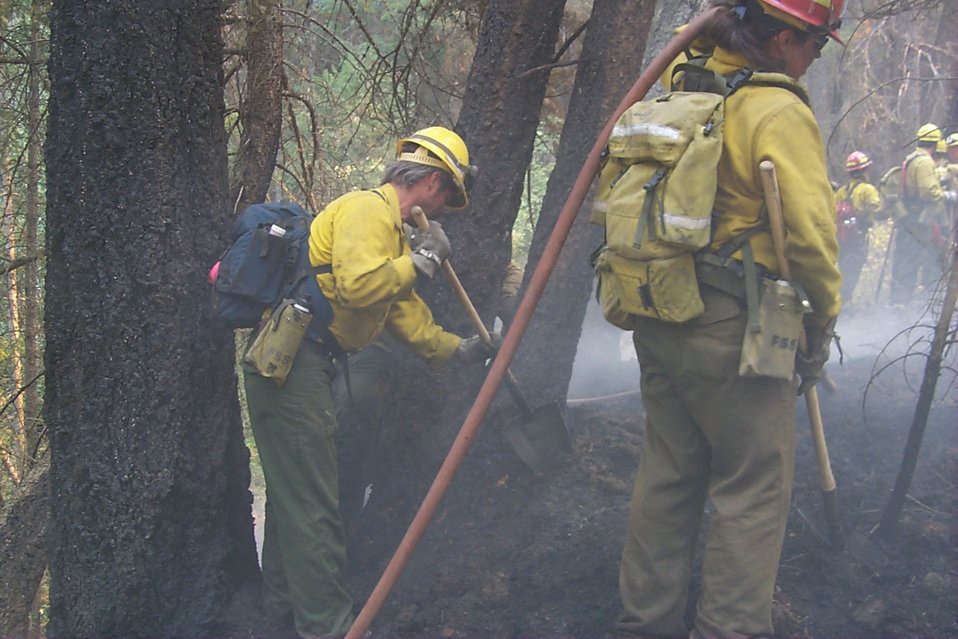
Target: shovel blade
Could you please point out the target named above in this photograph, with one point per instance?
(541, 439)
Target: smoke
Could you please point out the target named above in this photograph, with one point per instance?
(894, 344)
(889, 341)
(605, 361)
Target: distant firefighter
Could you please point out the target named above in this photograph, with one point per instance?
(924, 225)
(858, 204)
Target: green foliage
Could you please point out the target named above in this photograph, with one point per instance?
(23, 94)
(544, 155)
(358, 75)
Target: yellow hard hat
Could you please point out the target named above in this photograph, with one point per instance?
(928, 133)
(952, 140)
(443, 149)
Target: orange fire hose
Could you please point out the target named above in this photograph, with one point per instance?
(510, 343)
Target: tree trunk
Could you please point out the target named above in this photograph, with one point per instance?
(151, 529)
(499, 117)
(498, 121)
(611, 60)
(22, 554)
(261, 107)
(29, 277)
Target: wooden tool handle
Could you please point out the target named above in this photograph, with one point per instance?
(511, 383)
(776, 222)
(776, 219)
(423, 225)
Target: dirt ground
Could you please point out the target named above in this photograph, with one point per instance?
(512, 554)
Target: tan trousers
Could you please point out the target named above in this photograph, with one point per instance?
(710, 435)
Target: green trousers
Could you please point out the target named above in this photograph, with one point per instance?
(304, 550)
(710, 435)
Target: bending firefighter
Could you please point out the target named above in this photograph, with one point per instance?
(370, 285)
(713, 434)
(858, 206)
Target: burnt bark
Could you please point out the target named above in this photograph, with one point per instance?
(151, 529)
(611, 60)
(23, 557)
(499, 117)
(261, 108)
(498, 121)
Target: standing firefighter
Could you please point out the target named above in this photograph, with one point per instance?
(857, 204)
(369, 283)
(950, 181)
(713, 434)
(924, 224)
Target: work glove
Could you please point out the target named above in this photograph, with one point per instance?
(809, 363)
(431, 248)
(472, 350)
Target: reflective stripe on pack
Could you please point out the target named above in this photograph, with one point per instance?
(646, 129)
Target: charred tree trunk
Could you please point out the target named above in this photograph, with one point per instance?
(498, 121)
(22, 554)
(261, 106)
(611, 60)
(499, 117)
(151, 529)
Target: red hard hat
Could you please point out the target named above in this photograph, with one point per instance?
(856, 161)
(817, 16)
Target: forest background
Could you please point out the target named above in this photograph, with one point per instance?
(129, 139)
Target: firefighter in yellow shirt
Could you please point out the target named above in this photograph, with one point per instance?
(922, 230)
(369, 281)
(712, 435)
(950, 181)
(858, 205)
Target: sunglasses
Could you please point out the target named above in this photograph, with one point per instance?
(820, 41)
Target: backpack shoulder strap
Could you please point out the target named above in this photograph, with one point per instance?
(695, 77)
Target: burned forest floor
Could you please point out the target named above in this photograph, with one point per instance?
(515, 554)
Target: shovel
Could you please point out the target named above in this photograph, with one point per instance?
(539, 437)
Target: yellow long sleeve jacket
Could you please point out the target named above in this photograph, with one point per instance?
(923, 194)
(864, 198)
(370, 288)
(777, 124)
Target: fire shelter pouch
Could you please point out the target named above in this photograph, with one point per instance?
(770, 350)
(664, 289)
(274, 349)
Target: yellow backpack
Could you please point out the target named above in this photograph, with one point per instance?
(655, 195)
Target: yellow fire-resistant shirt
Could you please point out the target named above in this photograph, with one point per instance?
(775, 123)
(951, 172)
(923, 194)
(361, 236)
(864, 198)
